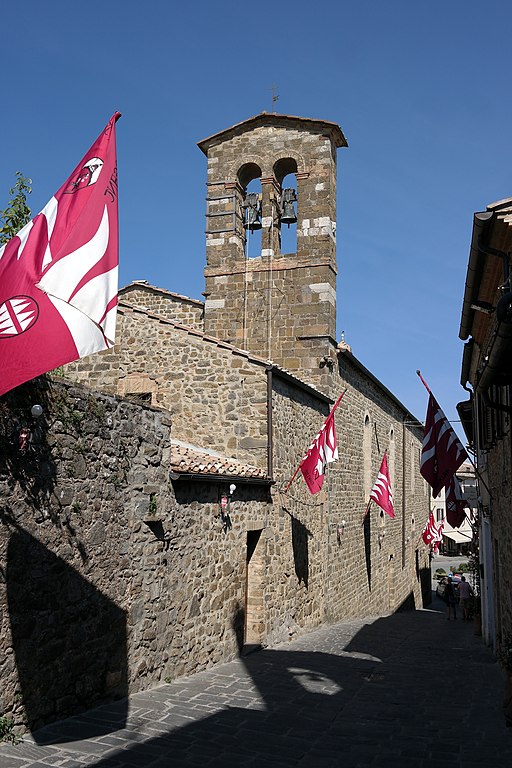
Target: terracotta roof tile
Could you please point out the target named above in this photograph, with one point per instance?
(187, 460)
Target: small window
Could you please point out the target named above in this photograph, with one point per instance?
(140, 398)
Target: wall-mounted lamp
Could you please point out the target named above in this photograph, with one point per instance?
(26, 435)
(232, 489)
(340, 530)
(224, 510)
(174, 475)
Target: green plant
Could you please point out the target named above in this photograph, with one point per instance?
(17, 213)
(7, 730)
(153, 506)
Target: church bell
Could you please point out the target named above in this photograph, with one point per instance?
(288, 215)
(252, 211)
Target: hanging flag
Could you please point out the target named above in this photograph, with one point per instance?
(58, 275)
(381, 492)
(322, 451)
(438, 538)
(442, 452)
(429, 534)
(455, 503)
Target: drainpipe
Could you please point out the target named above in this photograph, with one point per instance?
(270, 442)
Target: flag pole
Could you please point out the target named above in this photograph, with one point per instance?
(290, 481)
(469, 457)
(424, 382)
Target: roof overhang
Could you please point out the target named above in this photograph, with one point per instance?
(325, 127)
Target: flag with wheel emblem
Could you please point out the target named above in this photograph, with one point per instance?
(58, 275)
(442, 452)
(381, 492)
(455, 503)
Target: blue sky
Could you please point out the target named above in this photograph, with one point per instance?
(420, 91)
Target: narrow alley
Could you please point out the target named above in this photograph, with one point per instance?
(402, 690)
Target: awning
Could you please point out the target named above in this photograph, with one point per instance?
(458, 537)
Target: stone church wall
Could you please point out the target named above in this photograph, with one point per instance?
(214, 395)
(181, 309)
(350, 569)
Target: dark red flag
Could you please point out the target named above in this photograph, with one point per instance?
(455, 503)
(442, 452)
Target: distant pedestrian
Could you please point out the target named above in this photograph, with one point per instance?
(465, 594)
(449, 596)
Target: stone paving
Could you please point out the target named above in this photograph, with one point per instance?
(411, 689)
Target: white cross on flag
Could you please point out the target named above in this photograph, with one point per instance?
(58, 275)
(381, 492)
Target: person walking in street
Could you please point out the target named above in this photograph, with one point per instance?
(449, 596)
(465, 593)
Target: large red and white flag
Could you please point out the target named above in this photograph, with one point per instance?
(58, 275)
(322, 451)
(381, 492)
(429, 534)
(455, 503)
(442, 452)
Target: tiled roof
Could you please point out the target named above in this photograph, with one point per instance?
(187, 460)
(144, 285)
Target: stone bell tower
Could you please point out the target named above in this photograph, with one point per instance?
(280, 306)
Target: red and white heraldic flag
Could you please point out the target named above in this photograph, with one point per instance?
(442, 452)
(322, 451)
(430, 532)
(381, 492)
(455, 503)
(58, 275)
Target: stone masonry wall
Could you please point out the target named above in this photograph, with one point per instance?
(79, 570)
(351, 569)
(500, 485)
(269, 304)
(214, 395)
(181, 309)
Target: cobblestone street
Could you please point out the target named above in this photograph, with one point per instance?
(408, 689)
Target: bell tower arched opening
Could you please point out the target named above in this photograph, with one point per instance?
(285, 173)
